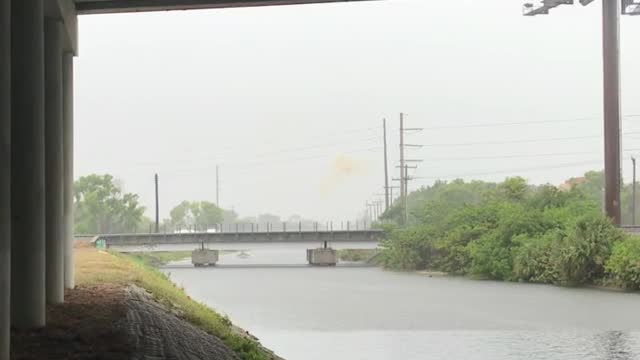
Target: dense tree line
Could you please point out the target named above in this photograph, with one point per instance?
(196, 213)
(103, 207)
(513, 231)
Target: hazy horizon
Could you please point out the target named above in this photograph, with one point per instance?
(289, 100)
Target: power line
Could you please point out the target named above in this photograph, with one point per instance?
(269, 164)
(325, 145)
(494, 172)
(521, 156)
(515, 123)
(523, 141)
(512, 156)
(497, 124)
(233, 150)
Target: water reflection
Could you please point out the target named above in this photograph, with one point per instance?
(616, 344)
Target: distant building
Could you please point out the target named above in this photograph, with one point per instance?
(567, 185)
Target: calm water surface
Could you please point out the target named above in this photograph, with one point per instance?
(353, 312)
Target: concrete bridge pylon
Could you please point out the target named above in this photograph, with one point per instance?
(5, 177)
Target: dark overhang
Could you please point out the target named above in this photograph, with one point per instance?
(117, 6)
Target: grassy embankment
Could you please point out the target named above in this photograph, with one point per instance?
(95, 267)
(159, 258)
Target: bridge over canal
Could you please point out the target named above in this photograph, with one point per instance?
(344, 237)
(321, 246)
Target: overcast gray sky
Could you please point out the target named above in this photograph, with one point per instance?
(289, 101)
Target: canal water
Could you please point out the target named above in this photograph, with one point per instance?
(353, 312)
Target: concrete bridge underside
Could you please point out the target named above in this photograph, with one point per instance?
(118, 6)
(38, 40)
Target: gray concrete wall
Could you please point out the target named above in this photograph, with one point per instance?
(200, 257)
(372, 236)
(5, 177)
(27, 165)
(53, 161)
(322, 257)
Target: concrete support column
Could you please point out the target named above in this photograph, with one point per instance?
(27, 165)
(67, 109)
(5, 177)
(53, 134)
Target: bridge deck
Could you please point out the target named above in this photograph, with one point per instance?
(361, 236)
(118, 6)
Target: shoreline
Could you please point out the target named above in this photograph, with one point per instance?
(153, 260)
(246, 345)
(598, 287)
(367, 256)
(124, 308)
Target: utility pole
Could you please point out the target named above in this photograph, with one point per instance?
(372, 211)
(406, 198)
(611, 75)
(157, 207)
(386, 170)
(633, 193)
(217, 187)
(611, 10)
(402, 172)
(367, 211)
(404, 169)
(405, 184)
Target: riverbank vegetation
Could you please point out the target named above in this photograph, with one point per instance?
(105, 268)
(358, 255)
(513, 231)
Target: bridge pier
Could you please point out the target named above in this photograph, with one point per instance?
(5, 177)
(67, 148)
(27, 168)
(204, 257)
(322, 256)
(54, 189)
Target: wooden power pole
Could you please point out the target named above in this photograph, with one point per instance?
(386, 168)
(217, 187)
(402, 168)
(157, 207)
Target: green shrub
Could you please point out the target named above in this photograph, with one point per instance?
(624, 264)
(410, 249)
(491, 254)
(582, 253)
(533, 258)
(490, 258)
